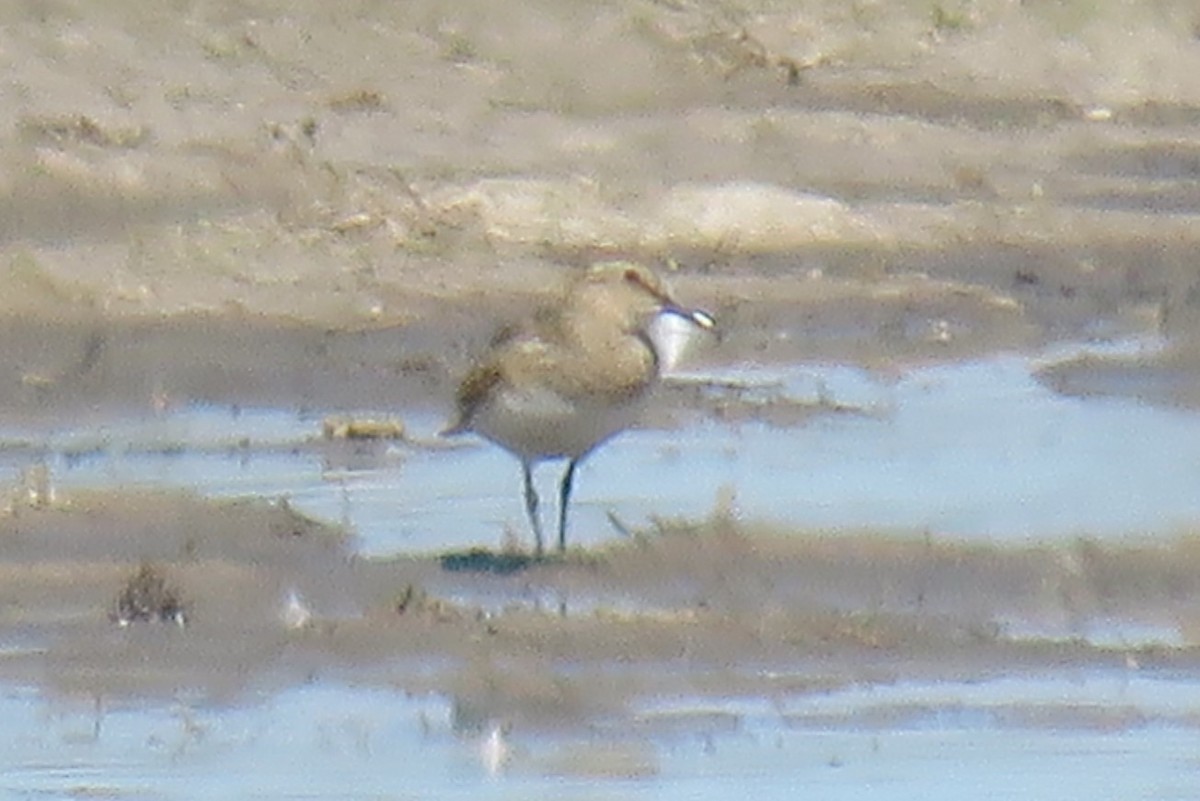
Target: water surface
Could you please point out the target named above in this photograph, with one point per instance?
(969, 450)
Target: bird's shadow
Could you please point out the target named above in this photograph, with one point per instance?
(500, 563)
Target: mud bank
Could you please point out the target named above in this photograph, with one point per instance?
(720, 608)
(218, 205)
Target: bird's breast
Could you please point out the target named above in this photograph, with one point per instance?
(538, 422)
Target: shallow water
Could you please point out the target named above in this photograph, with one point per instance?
(1004, 739)
(966, 450)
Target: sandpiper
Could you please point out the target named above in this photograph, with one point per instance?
(562, 383)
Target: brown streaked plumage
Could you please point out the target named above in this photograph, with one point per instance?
(572, 376)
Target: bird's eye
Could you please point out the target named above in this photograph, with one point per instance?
(631, 275)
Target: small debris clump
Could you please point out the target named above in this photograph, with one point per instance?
(147, 597)
(362, 429)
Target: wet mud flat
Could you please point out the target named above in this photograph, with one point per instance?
(215, 207)
(258, 598)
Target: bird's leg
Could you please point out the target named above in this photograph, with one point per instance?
(531, 506)
(564, 498)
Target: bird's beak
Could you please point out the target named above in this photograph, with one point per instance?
(697, 317)
(702, 319)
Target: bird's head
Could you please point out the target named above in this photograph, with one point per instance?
(632, 295)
